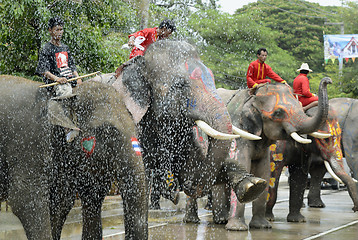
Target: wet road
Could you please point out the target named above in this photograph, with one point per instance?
(336, 221)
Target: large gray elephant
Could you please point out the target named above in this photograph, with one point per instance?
(302, 159)
(44, 172)
(272, 113)
(168, 91)
(346, 110)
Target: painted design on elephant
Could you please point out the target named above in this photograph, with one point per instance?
(88, 144)
(272, 166)
(170, 179)
(201, 138)
(282, 104)
(191, 103)
(233, 152)
(203, 74)
(136, 146)
(233, 202)
(332, 145)
(275, 164)
(276, 160)
(272, 182)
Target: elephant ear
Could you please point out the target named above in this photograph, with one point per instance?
(250, 117)
(57, 116)
(134, 88)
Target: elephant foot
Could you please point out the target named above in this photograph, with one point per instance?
(191, 218)
(297, 217)
(269, 216)
(355, 208)
(259, 222)
(316, 203)
(235, 224)
(250, 188)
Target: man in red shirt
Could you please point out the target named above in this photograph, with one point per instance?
(258, 71)
(301, 87)
(140, 40)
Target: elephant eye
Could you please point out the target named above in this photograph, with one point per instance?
(279, 114)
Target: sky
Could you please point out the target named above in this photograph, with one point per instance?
(230, 6)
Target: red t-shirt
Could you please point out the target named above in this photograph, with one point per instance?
(150, 35)
(301, 86)
(257, 73)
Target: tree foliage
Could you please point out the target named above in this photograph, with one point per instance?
(229, 44)
(23, 26)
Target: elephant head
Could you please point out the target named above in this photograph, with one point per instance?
(168, 91)
(331, 151)
(304, 158)
(275, 113)
(172, 80)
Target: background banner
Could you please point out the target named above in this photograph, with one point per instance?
(340, 46)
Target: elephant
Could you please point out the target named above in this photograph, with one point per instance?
(345, 110)
(273, 113)
(168, 91)
(302, 159)
(45, 169)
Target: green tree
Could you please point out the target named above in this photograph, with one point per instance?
(229, 43)
(298, 27)
(23, 29)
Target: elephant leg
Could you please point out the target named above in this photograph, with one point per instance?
(155, 192)
(29, 202)
(220, 202)
(314, 196)
(91, 215)
(135, 201)
(260, 168)
(297, 182)
(258, 219)
(272, 194)
(236, 221)
(4, 178)
(191, 211)
(273, 186)
(61, 204)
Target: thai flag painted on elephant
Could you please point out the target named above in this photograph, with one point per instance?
(136, 146)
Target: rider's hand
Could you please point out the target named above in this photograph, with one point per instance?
(131, 41)
(61, 80)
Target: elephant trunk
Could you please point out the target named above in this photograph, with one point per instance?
(337, 171)
(313, 123)
(212, 117)
(213, 113)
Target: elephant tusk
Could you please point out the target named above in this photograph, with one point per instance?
(300, 139)
(320, 135)
(330, 170)
(214, 133)
(245, 134)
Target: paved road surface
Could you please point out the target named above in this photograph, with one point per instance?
(336, 221)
